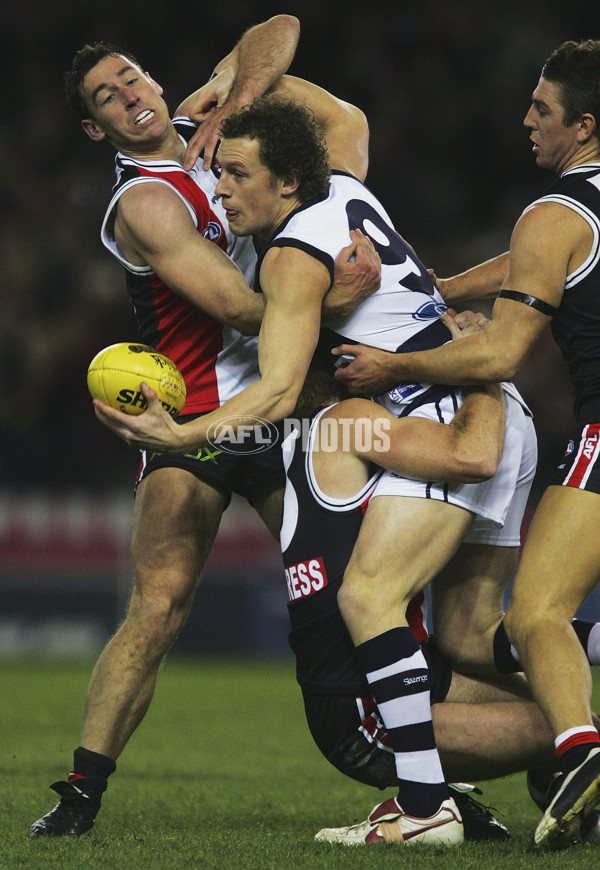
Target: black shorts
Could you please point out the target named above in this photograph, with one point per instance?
(340, 712)
(580, 467)
(246, 471)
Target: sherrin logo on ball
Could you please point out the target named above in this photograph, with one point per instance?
(114, 377)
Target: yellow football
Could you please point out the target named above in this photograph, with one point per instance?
(115, 374)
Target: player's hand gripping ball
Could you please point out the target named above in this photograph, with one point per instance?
(115, 374)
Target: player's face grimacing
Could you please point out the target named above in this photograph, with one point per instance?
(254, 199)
(125, 103)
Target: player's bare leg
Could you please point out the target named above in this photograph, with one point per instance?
(402, 544)
(559, 567)
(268, 503)
(176, 518)
(485, 730)
(389, 566)
(467, 599)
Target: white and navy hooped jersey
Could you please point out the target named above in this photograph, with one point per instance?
(576, 326)
(216, 361)
(318, 532)
(403, 314)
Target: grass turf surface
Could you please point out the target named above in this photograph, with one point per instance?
(221, 774)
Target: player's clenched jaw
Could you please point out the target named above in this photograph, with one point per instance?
(126, 106)
(255, 200)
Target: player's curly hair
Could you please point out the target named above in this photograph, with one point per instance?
(292, 144)
(575, 67)
(83, 61)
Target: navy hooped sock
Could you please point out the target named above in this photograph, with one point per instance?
(397, 673)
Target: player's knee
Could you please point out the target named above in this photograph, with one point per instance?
(522, 618)
(469, 650)
(350, 600)
(158, 616)
(359, 759)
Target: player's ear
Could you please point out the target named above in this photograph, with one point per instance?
(93, 131)
(289, 186)
(587, 127)
(156, 84)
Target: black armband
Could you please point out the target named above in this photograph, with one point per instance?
(532, 301)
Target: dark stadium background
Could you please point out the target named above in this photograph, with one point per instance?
(445, 87)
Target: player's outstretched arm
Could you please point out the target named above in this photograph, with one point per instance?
(260, 58)
(283, 363)
(479, 283)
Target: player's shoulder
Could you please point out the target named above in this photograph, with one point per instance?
(150, 205)
(154, 193)
(549, 217)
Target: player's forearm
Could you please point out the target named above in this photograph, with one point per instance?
(477, 359)
(477, 433)
(479, 283)
(263, 55)
(233, 421)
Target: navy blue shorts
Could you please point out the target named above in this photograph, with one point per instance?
(580, 467)
(245, 468)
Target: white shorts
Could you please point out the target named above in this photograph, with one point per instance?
(498, 504)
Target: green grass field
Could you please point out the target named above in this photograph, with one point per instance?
(221, 774)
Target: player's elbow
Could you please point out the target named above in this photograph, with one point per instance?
(504, 362)
(485, 467)
(290, 22)
(279, 397)
(286, 404)
(477, 463)
(244, 314)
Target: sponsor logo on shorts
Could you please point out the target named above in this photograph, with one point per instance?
(400, 394)
(242, 435)
(204, 454)
(570, 448)
(306, 578)
(590, 446)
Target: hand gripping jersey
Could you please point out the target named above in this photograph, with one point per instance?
(576, 326)
(216, 361)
